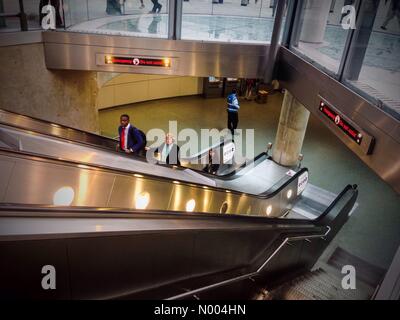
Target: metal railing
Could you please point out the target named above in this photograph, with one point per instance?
(254, 273)
(23, 20)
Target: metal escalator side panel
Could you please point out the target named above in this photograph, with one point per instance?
(49, 128)
(41, 181)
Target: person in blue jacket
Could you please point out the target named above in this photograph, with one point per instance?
(233, 111)
(130, 139)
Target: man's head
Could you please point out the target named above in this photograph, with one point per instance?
(234, 91)
(124, 119)
(169, 139)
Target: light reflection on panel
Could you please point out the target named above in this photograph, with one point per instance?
(37, 182)
(127, 189)
(6, 169)
(83, 188)
(182, 195)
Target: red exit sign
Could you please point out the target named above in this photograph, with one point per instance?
(138, 61)
(341, 123)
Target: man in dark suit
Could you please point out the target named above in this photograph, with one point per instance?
(169, 151)
(130, 139)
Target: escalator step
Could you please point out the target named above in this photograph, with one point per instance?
(315, 285)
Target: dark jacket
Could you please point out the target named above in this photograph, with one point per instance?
(135, 141)
(173, 156)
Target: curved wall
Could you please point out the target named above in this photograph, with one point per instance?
(130, 88)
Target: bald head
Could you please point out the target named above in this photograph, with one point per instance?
(169, 138)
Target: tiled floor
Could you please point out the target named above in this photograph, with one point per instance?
(372, 232)
(194, 27)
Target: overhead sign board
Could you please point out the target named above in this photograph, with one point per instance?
(339, 121)
(137, 61)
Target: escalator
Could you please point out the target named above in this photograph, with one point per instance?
(106, 253)
(317, 284)
(146, 231)
(259, 177)
(44, 128)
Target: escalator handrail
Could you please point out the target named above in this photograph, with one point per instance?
(111, 140)
(334, 202)
(316, 222)
(44, 158)
(29, 210)
(253, 273)
(243, 166)
(84, 133)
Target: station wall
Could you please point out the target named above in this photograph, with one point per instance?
(130, 88)
(63, 96)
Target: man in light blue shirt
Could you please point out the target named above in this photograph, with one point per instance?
(233, 111)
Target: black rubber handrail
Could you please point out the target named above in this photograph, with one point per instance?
(25, 210)
(335, 201)
(56, 125)
(29, 210)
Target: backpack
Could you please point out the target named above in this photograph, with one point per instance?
(142, 134)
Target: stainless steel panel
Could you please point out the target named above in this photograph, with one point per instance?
(149, 250)
(277, 207)
(126, 189)
(289, 194)
(306, 83)
(69, 50)
(6, 170)
(181, 195)
(36, 180)
(19, 38)
(36, 183)
(218, 199)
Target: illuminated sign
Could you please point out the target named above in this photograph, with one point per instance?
(302, 182)
(341, 123)
(138, 61)
(228, 152)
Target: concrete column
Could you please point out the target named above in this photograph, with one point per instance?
(291, 130)
(62, 96)
(315, 17)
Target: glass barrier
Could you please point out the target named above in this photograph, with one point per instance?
(10, 21)
(139, 18)
(319, 35)
(249, 21)
(373, 66)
